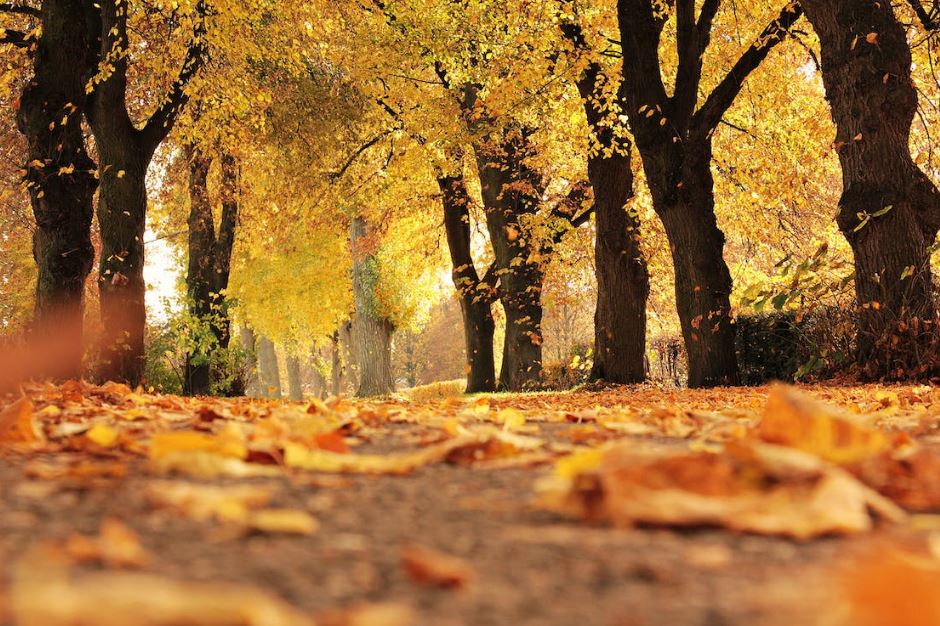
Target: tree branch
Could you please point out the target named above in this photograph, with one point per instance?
(19, 9)
(161, 122)
(721, 99)
(925, 18)
(16, 39)
(355, 155)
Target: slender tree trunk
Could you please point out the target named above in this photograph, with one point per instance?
(199, 276)
(475, 296)
(248, 341)
(510, 190)
(683, 199)
(889, 210)
(270, 371)
(60, 175)
(295, 388)
(209, 263)
(336, 366)
(372, 333)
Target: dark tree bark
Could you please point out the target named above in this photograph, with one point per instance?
(674, 139)
(336, 366)
(210, 257)
(60, 174)
(622, 276)
(125, 153)
(476, 296)
(371, 333)
(511, 191)
(866, 69)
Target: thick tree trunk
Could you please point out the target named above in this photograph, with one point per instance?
(125, 151)
(683, 199)
(248, 341)
(209, 263)
(270, 371)
(60, 175)
(622, 276)
(371, 333)
(295, 388)
(621, 271)
(122, 207)
(510, 190)
(866, 69)
(475, 296)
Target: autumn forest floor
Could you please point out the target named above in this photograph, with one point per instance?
(630, 507)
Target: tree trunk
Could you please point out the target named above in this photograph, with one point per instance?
(209, 263)
(270, 370)
(622, 277)
(336, 366)
(122, 207)
(60, 175)
(252, 384)
(199, 274)
(686, 206)
(294, 383)
(475, 296)
(889, 210)
(510, 191)
(372, 333)
(125, 151)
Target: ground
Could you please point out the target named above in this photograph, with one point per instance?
(435, 511)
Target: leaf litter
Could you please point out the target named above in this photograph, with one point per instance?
(788, 462)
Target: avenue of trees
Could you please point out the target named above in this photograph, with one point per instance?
(603, 172)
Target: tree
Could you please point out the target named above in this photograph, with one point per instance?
(620, 267)
(125, 152)
(210, 260)
(372, 331)
(60, 176)
(889, 210)
(476, 295)
(674, 137)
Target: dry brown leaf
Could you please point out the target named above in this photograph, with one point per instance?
(201, 464)
(910, 478)
(381, 614)
(41, 596)
(205, 502)
(431, 567)
(758, 488)
(794, 419)
(115, 546)
(17, 424)
(282, 521)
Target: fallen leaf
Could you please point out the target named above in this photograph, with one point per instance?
(381, 614)
(282, 521)
(102, 435)
(431, 567)
(792, 418)
(17, 424)
(757, 488)
(43, 596)
(115, 546)
(201, 464)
